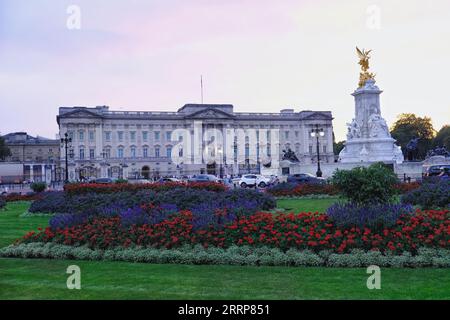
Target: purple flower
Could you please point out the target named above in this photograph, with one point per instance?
(371, 216)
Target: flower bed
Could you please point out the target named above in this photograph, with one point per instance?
(287, 189)
(12, 197)
(234, 255)
(376, 216)
(92, 204)
(83, 188)
(403, 187)
(432, 194)
(312, 231)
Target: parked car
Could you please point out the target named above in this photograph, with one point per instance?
(3, 190)
(436, 170)
(252, 180)
(140, 181)
(204, 178)
(305, 178)
(103, 180)
(162, 180)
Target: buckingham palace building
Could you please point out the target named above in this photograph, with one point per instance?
(198, 138)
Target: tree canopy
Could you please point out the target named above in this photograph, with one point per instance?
(409, 126)
(4, 150)
(443, 137)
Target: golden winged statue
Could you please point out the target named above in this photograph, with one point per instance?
(364, 75)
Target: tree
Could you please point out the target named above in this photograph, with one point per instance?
(4, 150)
(443, 137)
(337, 147)
(408, 126)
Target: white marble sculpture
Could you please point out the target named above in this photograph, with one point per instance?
(378, 127)
(368, 137)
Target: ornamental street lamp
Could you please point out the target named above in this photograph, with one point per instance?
(318, 133)
(122, 166)
(66, 142)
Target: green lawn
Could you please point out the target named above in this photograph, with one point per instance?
(46, 279)
(306, 205)
(13, 227)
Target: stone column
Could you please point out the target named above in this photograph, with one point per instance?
(31, 172)
(98, 140)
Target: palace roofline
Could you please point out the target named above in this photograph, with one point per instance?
(191, 111)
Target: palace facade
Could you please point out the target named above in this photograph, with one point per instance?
(38, 155)
(141, 144)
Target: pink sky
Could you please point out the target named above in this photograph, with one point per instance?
(260, 56)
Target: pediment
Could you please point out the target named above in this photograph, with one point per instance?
(210, 113)
(318, 116)
(81, 114)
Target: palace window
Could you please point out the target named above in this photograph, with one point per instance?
(133, 152)
(81, 135)
(133, 135)
(81, 153)
(156, 135)
(91, 136)
(145, 135)
(120, 152)
(108, 136)
(157, 152)
(120, 135)
(145, 152)
(91, 153)
(168, 134)
(169, 152)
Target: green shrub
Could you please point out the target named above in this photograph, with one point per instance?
(2, 203)
(38, 186)
(361, 185)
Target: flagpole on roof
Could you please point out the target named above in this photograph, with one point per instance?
(201, 87)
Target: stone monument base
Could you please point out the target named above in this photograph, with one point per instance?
(371, 150)
(437, 160)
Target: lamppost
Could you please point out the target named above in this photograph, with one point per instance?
(66, 141)
(180, 169)
(122, 166)
(318, 133)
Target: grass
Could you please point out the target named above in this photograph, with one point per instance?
(13, 227)
(306, 205)
(46, 279)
